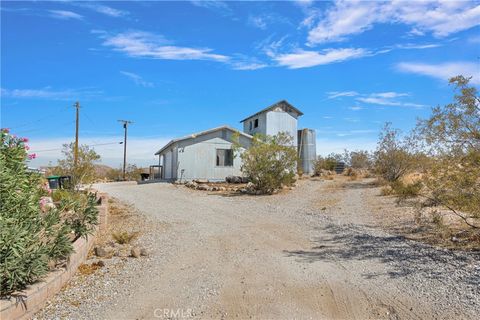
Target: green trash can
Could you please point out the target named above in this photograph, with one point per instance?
(59, 182)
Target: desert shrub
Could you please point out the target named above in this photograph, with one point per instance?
(393, 160)
(270, 162)
(360, 159)
(79, 210)
(124, 237)
(132, 173)
(324, 163)
(386, 190)
(406, 190)
(452, 142)
(29, 239)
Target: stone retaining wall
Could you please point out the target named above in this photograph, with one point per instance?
(34, 297)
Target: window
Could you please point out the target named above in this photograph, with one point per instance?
(224, 157)
(250, 125)
(256, 123)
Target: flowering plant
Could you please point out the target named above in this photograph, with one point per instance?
(29, 238)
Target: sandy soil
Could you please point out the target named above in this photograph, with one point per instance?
(315, 252)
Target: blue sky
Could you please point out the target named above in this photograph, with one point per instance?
(175, 68)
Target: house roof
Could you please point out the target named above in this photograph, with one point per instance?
(279, 103)
(194, 135)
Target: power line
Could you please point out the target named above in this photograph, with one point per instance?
(91, 145)
(25, 124)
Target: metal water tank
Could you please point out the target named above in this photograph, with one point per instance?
(307, 150)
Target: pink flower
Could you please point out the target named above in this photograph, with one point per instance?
(24, 139)
(27, 148)
(6, 130)
(32, 156)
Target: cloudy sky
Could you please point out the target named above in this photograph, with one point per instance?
(174, 68)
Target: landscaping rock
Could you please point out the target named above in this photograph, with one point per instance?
(101, 252)
(136, 252)
(203, 187)
(143, 252)
(234, 179)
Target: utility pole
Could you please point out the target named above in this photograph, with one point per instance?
(125, 126)
(75, 152)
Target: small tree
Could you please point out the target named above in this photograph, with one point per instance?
(84, 172)
(360, 159)
(270, 162)
(452, 140)
(392, 158)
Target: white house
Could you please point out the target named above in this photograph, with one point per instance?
(209, 155)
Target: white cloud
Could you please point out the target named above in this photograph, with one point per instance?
(137, 79)
(389, 94)
(441, 18)
(388, 99)
(264, 20)
(47, 93)
(257, 21)
(140, 151)
(242, 65)
(103, 9)
(148, 45)
(337, 94)
(243, 62)
(220, 7)
(443, 71)
(304, 59)
(65, 15)
(355, 108)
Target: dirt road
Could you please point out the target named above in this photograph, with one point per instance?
(310, 253)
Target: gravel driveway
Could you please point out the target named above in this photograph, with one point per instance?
(285, 256)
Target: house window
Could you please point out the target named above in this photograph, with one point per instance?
(224, 157)
(256, 123)
(251, 125)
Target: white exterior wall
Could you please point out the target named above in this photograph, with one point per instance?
(280, 121)
(196, 158)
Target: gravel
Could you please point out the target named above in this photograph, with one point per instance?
(313, 252)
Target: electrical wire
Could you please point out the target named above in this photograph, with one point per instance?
(91, 145)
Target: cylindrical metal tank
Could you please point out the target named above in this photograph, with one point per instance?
(307, 149)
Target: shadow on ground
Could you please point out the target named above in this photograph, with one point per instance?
(400, 256)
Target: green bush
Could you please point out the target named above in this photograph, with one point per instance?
(404, 191)
(270, 162)
(80, 212)
(327, 163)
(29, 239)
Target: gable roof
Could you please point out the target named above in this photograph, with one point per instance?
(273, 106)
(198, 134)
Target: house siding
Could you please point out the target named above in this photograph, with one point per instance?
(196, 158)
(280, 121)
